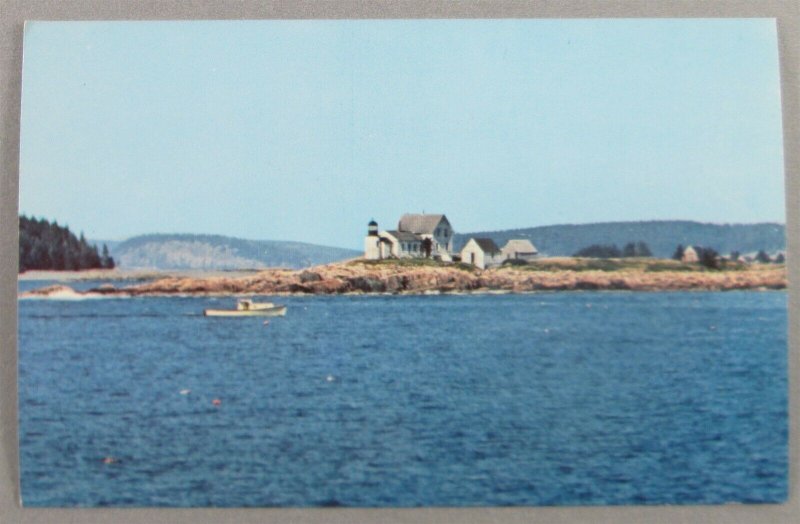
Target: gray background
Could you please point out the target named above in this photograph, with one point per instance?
(12, 15)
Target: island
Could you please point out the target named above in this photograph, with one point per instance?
(426, 276)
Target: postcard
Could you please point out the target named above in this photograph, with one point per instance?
(402, 263)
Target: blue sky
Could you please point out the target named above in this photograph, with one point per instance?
(306, 130)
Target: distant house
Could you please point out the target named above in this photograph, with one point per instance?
(519, 249)
(704, 255)
(417, 235)
(691, 254)
(403, 243)
(481, 253)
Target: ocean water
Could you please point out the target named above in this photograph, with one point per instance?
(546, 399)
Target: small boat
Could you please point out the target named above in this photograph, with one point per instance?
(274, 311)
(246, 304)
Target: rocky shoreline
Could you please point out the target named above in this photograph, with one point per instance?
(363, 278)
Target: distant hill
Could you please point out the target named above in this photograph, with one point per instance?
(181, 251)
(110, 244)
(662, 236)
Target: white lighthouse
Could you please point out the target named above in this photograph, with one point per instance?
(372, 247)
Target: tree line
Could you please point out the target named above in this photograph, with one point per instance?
(706, 256)
(709, 257)
(631, 249)
(43, 245)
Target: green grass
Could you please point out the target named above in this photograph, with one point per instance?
(624, 264)
(668, 265)
(412, 262)
(582, 264)
(573, 264)
(674, 265)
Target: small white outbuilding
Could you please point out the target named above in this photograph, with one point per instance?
(481, 253)
(519, 249)
(690, 254)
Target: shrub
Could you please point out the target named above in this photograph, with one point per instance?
(637, 249)
(599, 251)
(709, 258)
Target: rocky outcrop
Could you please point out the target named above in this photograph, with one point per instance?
(360, 278)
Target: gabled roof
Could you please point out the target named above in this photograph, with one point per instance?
(421, 224)
(519, 245)
(487, 245)
(404, 236)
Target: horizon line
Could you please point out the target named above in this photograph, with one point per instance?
(563, 224)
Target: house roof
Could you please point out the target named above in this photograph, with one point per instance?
(487, 245)
(420, 224)
(404, 236)
(519, 245)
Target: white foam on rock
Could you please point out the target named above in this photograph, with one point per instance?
(63, 293)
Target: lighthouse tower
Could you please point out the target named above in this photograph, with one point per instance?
(372, 248)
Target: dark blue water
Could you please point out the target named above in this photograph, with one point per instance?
(549, 399)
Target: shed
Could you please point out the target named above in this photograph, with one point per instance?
(481, 253)
(519, 249)
(690, 254)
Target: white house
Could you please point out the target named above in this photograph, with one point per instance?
(404, 244)
(416, 236)
(519, 249)
(690, 254)
(481, 253)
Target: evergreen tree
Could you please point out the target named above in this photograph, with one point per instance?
(636, 249)
(56, 254)
(43, 245)
(678, 255)
(763, 257)
(107, 262)
(643, 250)
(427, 247)
(709, 258)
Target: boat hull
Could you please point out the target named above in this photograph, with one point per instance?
(276, 311)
